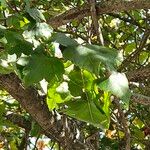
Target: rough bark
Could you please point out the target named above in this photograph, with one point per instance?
(141, 74)
(33, 104)
(101, 8)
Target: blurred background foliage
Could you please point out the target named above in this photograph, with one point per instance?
(83, 79)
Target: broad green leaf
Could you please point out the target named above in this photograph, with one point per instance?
(20, 47)
(40, 67)
(138, 133)
(14, 21)
(76, 83)
(79, 80)
(13, 145)
(3, 3)
(35, 14)
(91, 57)
(87, 112)
(13, 37)
(63, 39)
(16, 44)
(88, 80)
(6, 61)
(138, 123)
(117, 84)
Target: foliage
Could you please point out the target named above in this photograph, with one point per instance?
(78, 77)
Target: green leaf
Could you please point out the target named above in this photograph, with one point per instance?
(35, 130)
(130, 48)
(88, 80)
(40, 67)
(3, 3)
(143, 57)
(63, 39)
(80, 80)
(106, 101)
(20, 47)
(16, 44)
(117, 84)
(87, 112)
(5, 68)
(2, 31)
(91, 57)
(53, 97)
(13, 37)
(75, 83)
(35, 14)
(2, 109)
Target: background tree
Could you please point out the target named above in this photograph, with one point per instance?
(74, 74)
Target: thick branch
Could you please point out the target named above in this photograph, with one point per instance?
(32, 103)
(139, 75)
(102, 8)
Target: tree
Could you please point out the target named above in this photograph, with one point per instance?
(74, 73)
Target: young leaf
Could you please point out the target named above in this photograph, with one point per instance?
(53, 97)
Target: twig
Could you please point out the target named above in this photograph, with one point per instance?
(137, 52)
(95, 22)
(131, 21)
(52, 146)
(124, 124)
(35, 147)
(141, 99)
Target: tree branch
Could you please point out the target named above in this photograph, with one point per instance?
(125, 19)
(101, 8)
(95, 22)
(139, 74)
(124, 124)
(33, 104)
(138, 50)
(141, 99)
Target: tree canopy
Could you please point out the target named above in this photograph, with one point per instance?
(75, 75)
